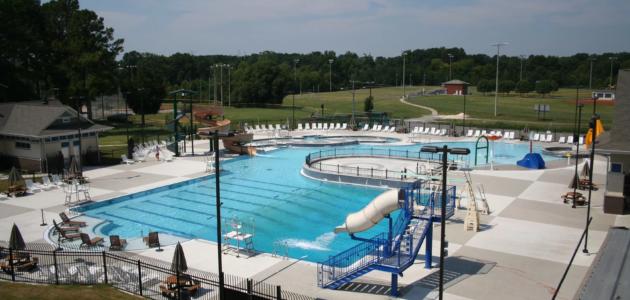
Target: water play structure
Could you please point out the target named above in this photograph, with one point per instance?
(393, 251)
(213, 120)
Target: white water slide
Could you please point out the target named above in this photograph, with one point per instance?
(371, 214)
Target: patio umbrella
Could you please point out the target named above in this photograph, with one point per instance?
(16, 241)
(73, 169)
(179, 260)
(585, 170)
(15, 178)
(574, 182)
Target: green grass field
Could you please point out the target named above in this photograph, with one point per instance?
(515, 111)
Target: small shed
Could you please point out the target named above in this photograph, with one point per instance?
(456, 87)
(606, 95)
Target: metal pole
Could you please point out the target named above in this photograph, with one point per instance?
(464, 125)
(590, 75)
(218, 205)
(590, 179)
(330, 61)
(229, 85)
(612, 59)
(214, 80)
(190, 129)
(496, 85)
(293, 111)
(577, 153)
(221, 82)
(175, 124)
(403, 73)
(443, 219)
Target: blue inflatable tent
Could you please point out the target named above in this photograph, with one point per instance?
(532, 161)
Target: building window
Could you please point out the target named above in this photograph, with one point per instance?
(65, 120)
(607, 96)
(22, 145)
(65, 144)
(76, 143)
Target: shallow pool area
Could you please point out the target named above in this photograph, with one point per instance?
(267, 193)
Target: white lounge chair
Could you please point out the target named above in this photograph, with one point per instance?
(483, 132)
(278, 127)
(581, 140)
(56, 180)
(46, 184)
(499, 133)
(542, 137)
(570, 139)
(549, 138)
(307, 126)
(331, 126)
(432, 131)
(535, 136)
(31, 187)
(562, 140)
(344, 126)
(374, 127)
(257, 128)
(392, 129)
(379, 127)
(325, 126)
(338, 126)
(386, 128)
(492, 132)
(320, 126)
(4, 196)
(313, 126)
(126, 160)
(426, 130)
(300, 128)
(365, 127)
(469, 133)
(477, 133)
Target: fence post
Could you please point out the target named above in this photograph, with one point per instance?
(179, 288)
(278, 292)
(105, 267)
(385, 173)
(249, 289)
(371, 171)
(337, 168)
(357, 170)
(56, 267)
(11, 263)
(140, 277)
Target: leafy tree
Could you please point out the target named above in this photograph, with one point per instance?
(506, 86)
(142, 84)
(368, 104)
(484, 86)
(544, 87)
(524, 87)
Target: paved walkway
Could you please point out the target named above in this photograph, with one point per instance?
(520, 252)
(434, 112)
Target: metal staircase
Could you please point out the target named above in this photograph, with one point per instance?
(393, 251)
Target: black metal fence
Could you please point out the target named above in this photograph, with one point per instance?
(43, 264)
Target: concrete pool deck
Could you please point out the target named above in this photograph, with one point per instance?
(520, 253)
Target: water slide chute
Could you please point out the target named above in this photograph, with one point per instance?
(371, 214)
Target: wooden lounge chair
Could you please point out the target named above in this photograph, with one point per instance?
(90, 242)
(66, 221)
(153, 240)
(65, 229)
(20, 265)
(568, 197)
(116, 243)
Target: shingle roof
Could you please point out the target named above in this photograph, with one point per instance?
(33, 118)
(619, 139)
(456, 81)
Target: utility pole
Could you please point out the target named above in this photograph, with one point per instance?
(496, 86)
(404, 55)
(229, 85)
(221, 81)
(352, 121)
(612, 59)
(330, 62)
(450, 61)
(520, 77)
(590, 74)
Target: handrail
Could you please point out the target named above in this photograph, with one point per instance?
(376, 152)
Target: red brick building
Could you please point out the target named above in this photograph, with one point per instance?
(456, 87)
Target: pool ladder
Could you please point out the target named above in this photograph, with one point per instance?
(280, 247)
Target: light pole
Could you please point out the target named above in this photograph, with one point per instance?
(590, 73)
(404, 55)
(445, 151)
(496, 86)
(576, 139)
(464, 125)
(593, 126)
(218, 203)
(330, 62)
(612, 60)
(450, 61)
(352, 120)
(295, 62)
(520, 76)
(229, 85)
(221, 81)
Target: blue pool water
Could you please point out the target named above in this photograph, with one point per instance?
(268, 191)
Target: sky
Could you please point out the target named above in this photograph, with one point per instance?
(376, 27)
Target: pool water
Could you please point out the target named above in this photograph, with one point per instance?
(266, 191)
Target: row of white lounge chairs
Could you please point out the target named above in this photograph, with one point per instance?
(548, 137)
(142, 151)
(508, 135)
(429, 131)
(379, 128)
(264, 128)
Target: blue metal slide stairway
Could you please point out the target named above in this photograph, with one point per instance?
(392, 251)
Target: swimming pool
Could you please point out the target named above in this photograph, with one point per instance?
(266, 190)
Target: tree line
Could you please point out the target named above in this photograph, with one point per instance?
(60, 49)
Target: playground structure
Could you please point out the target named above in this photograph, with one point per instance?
(417, 205)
